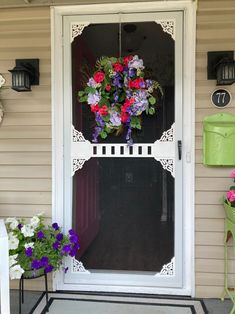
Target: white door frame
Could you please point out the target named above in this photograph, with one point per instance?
(189, 9)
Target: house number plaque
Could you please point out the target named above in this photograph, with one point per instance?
(221, 98)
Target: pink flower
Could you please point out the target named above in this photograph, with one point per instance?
(118, 67)
(233, 174)
(231, 195)
(99, 76)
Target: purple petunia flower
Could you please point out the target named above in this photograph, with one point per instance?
(19, 226)
(56, 245)
(29, 252)
(72, 253)
(36, 264)
(48, 268)
(71, 232)
(55, 226)
(93, 99)
(40, 235)
(131, 72)
(73, 238)
(76, 246)
(149, 83)
(117, 81)
(91, 82)
(59, 237)
(66, 248)
(44, 261)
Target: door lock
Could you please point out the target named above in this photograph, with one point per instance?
(179, 149)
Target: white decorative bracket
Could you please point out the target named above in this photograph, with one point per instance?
(77, 29)
(168, 26)
(77, 267)
(163, 150)
(168, 269)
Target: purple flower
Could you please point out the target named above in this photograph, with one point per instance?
(40, 235)
(66, 248)
(48, 268)
(93, 99)
(73, 238)
(76, 246)
(71, 232)
(96, 133)
(28, 251)
(149, 83)
(59, 236)
(55, 226)
(19, 226)
(36, 264)
(72, 253)
(117, 81)
(44, 261)
(56, 245)
(91, 82)
(131, 72)
(115, 118)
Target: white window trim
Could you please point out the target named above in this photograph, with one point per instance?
(189, 8)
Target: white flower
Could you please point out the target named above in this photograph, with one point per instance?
(13, 241)
(27, 245)
(12, 259)
(16, 272)
(34, 221)
(13, 223)
(27, 230)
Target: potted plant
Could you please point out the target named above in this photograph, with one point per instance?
(35, 248)
(229, 201)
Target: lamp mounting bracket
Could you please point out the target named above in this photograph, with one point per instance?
(33, 66)
(214, 58)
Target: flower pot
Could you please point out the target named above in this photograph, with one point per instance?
(33, 273)
(230, 212)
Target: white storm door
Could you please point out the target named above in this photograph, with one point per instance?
(135, 240)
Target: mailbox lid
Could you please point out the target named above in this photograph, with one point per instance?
(219, 140)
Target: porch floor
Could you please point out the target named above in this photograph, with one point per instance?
(214, 306)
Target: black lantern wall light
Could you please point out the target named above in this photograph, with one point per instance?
(221, 66)
(25, 74)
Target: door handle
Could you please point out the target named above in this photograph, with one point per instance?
(179, 149)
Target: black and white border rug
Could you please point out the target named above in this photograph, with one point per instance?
(102, 303)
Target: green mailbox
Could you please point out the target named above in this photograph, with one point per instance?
(219, 140)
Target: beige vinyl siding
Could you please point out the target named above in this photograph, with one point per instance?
(215, 32)
(25, 134)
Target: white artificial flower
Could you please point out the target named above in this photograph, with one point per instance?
(27, 230)
(12, 260)
(27, 245)
(34, 221)
(13, 223)
(13, 241)
(16, 272)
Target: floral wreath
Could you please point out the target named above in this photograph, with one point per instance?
(118, 94)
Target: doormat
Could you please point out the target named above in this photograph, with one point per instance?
(102, 303)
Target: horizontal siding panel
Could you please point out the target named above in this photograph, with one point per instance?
(36, 118)
(205, 197)
(14, 145)
(24, 210)
(15, 43)
(210, 238)
(26, 108)
(212, 292)
(15, 184)
(199, 156)
(210, 224)
(214, 266)
(206, 184)
(24, 14)
(209, 211)
(201, 113)
(213, 252)
(44, 64)
(21, 53)
(36, 132)
(21, 26)
(8, 197)
(38, 92)
(207, 5)
(214, 172)
(22, 158)
(25, 171)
